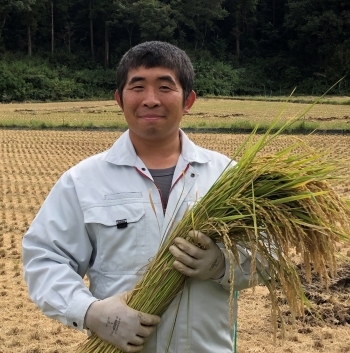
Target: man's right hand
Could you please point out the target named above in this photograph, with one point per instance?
(114, 321)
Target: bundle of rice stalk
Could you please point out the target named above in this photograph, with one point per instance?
(274, 206)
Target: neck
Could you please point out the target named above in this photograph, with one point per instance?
(158, 154)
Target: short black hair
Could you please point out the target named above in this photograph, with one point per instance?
(157, 54)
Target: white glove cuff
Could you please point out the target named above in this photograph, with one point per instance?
(225, 279)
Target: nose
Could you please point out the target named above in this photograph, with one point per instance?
(151, 98)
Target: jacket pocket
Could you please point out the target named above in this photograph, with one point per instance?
(121, 237)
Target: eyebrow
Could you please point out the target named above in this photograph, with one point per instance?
(166, 78)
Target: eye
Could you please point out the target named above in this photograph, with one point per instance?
(137, 88)
(164, 88)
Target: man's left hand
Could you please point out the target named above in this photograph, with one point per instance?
(205, 261)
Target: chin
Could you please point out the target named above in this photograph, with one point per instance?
(152, 132)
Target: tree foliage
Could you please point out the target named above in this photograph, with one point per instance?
(319, 35)
(238, 46)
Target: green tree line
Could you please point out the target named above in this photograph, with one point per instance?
(68, 49)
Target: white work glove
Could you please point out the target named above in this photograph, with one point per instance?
(114, 321)
(204, 262)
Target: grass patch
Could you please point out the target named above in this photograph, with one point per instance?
(344, 100)
(221, 115)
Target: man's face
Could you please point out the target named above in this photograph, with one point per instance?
(153, 104)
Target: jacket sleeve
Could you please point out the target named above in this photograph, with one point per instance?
(241, 275)
(56, 253)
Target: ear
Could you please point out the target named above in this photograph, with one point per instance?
(189, 101)
(118, 99)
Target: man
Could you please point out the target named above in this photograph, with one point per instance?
(107, 216)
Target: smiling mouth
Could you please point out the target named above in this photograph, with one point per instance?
(151, 117)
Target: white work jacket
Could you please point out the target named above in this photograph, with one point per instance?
(98, 220)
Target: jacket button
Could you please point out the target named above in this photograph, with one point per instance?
(193, 175)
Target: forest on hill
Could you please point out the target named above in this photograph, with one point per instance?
(69, 49)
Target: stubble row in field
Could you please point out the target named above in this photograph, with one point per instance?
(32, 161)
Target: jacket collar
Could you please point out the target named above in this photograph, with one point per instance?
(123, 153)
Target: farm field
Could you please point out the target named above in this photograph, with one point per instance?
(30, 163)
(206, 113)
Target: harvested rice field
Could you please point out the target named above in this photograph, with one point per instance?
(30, 163)
(206, 113)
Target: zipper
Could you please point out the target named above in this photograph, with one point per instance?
(181, 175)
(160, 194)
